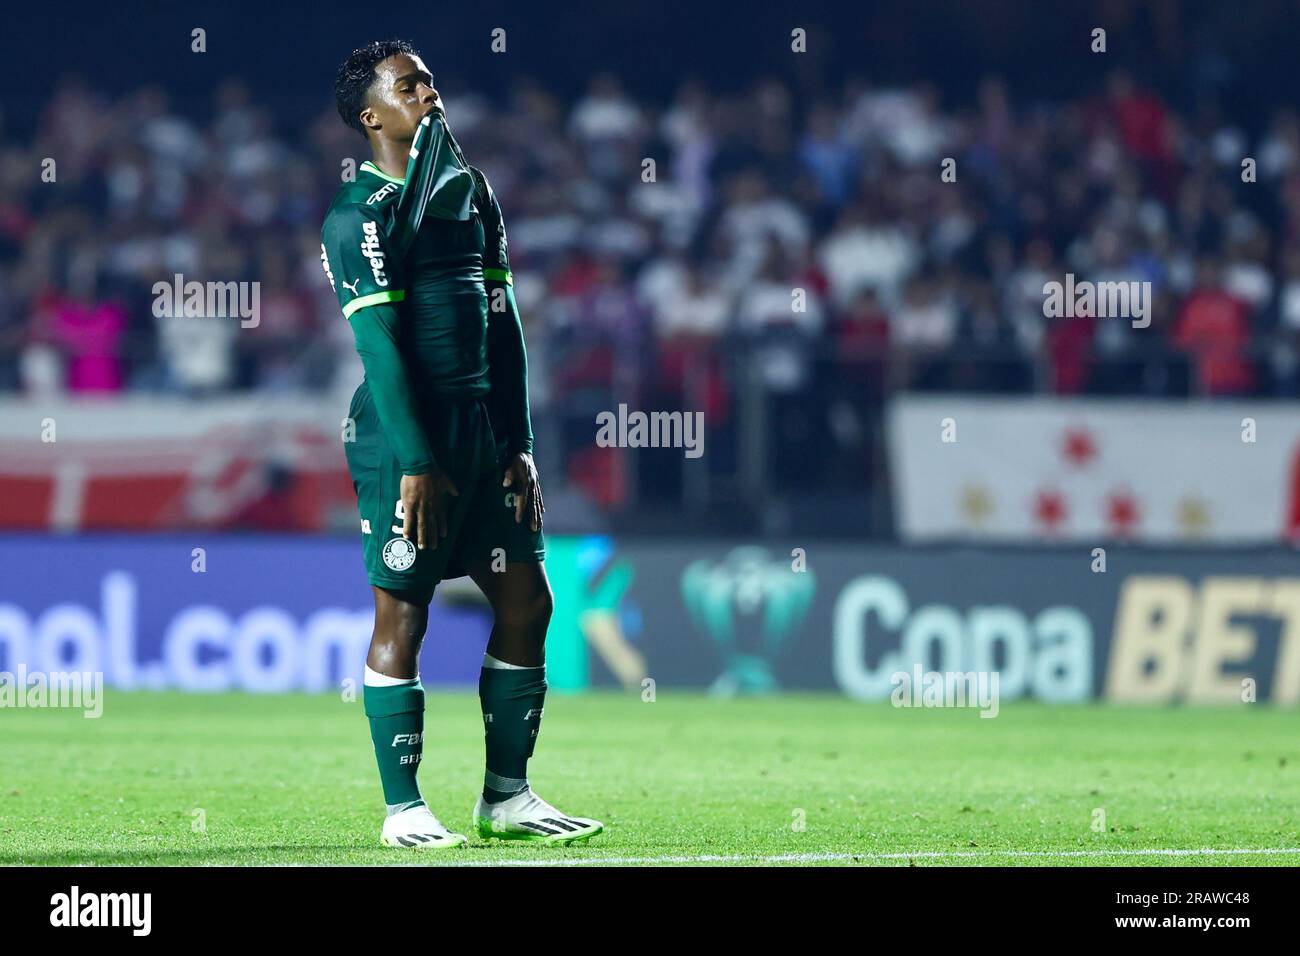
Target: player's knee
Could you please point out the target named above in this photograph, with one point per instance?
(543, 605)
(389, 658)
(400, 628)
(529, 616)
(410, 623)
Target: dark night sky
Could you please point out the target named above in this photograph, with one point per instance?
(288, 51)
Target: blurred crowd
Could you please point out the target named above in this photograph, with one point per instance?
(745, 254)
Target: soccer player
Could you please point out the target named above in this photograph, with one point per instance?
(442, 464)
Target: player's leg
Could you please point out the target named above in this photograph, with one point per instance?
(394, 704)
(522, 603)
(512, 683)
(512, 693)
(394, 697)
(402, 579)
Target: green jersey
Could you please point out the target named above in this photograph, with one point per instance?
(380, 246)
(414, 263)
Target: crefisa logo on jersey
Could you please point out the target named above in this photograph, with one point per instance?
(372, 250)
(399, 554)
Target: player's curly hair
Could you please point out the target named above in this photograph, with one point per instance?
(357, 73)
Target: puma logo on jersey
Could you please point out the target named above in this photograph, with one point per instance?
(352, 286)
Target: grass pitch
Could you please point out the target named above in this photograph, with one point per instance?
(172, 779)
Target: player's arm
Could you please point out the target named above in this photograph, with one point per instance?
(508, 359)
(507, 355)
(368, 283)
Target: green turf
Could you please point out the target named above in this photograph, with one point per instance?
(291, 780)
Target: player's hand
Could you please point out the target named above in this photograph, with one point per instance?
(425, 506)
(521, 475)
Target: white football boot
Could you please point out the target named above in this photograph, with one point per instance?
(526, 816)
(419, 829)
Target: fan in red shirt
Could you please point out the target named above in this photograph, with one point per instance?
(1213, 328)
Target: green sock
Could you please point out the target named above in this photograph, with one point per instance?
(397, 728)
(512, 699)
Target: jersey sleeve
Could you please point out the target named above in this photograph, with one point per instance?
(506, 353)
(359, 259)
(496, 254)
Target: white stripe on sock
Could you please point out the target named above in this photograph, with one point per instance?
(376, 679)
(491, 663)
(395, 808)
(511, 785)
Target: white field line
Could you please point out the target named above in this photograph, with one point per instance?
(834, 857)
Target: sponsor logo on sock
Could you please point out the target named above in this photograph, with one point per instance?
(133, 910)
(538, 711)
(411, 739)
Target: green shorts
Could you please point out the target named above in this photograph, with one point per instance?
(481, 522)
